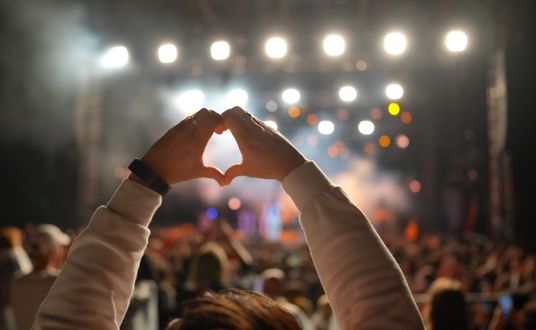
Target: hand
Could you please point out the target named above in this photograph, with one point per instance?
(265, 153)
(178, 155)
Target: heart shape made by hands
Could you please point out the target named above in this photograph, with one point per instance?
(222, 151)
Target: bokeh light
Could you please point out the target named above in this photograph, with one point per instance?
(115, 57)
(234, 203)
(312, 119)
(402, 141)
(272, 124)
(365, 127)
(291, 96)
(384, 141)
(294, 112)
(394, 109)
(406, 117)
(167, 53)
(326, 127)
(347, 93)
(456, 41)
(237, 97)
(395, 43)
(334, 45)
(271, 106)
(394, 91)
(212, 213)
(190, 101)
(415, 186)
(220, 50)
(276, 47)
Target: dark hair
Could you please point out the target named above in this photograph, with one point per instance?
(449, 310)
(236, 310)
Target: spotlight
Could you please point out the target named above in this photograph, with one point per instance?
(220, 50)
(291, 96)
(365, 127)
(272, 124)
(456, 41)
(326, 127)
(190, 101)
(394, 109)
(167, 53)
(395, 43)
(234, 203)
(115, 57)
(276, 47)
(237, 97)
(394, 91)
(347, 93)
(334, 45)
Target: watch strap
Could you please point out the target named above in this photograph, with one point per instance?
(149, 177)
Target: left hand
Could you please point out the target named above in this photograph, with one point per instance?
(178, 155)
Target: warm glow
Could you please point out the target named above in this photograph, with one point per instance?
(234, 203)
(402, 141)
(394, 109)
(276, 47)
(312, 119)
(456, 41)
(384, 141)
(294, 112)
(395, 43)
(272, 124)
(334, 45)
(406, 117)
(167, 53)
(415, 186)
(220, 50)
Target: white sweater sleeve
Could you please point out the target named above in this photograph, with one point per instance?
(94, 287)
(363, 282)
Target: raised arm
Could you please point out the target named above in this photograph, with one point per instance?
(363, 282)
(95, 285)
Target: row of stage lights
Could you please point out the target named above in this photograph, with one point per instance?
(334, 45)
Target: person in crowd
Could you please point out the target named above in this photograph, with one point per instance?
(363, 282)
(446, 308)
(47, 252)
(14, 262)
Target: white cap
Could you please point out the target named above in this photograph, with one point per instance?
(47, 236)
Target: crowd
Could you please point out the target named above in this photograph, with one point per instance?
(497, 280)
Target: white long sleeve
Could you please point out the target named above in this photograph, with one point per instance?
(362, 280)
(94, 287)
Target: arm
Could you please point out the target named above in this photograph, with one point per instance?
(94, 287)
(362, 280)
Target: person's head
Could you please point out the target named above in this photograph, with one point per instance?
(10, 237)
(47, 247)
(272, 282)
(234, 310)
(209, 267)
(446, 307)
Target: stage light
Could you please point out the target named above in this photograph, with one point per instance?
(294, 112)
(237, 97)
(395, 43)
(402, 141)
(456, 41)
(190, 101)
(394, 91)
(394, 109)
(276, 47)
(212, 213)
(347, 93)
(312, 119)
(167, 53)
(406, 117)
(415, 186)
(220, 50)
(272, 124)
(291, 96)
(234, 203)
(326, 127)
(334, 45)
(365, 127)
(384, 141)
(115, 57)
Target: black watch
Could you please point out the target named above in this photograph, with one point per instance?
(149, 177)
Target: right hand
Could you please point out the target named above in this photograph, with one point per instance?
(265, 153)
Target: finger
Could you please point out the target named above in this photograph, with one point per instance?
(212, 173)
(207, 126)
(234, 171)
(238, 122)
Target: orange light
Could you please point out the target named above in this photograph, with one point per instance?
(394, 109)
(312, 119)
(415, 186)
(333, 151)
(384, 141)
(406, 117)
(294, 112)
(370, 148)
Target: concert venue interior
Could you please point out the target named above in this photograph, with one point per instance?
(422, 111)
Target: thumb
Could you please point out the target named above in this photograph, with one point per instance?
(212, 173)
(234, 171)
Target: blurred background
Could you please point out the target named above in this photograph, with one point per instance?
(421, 110)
